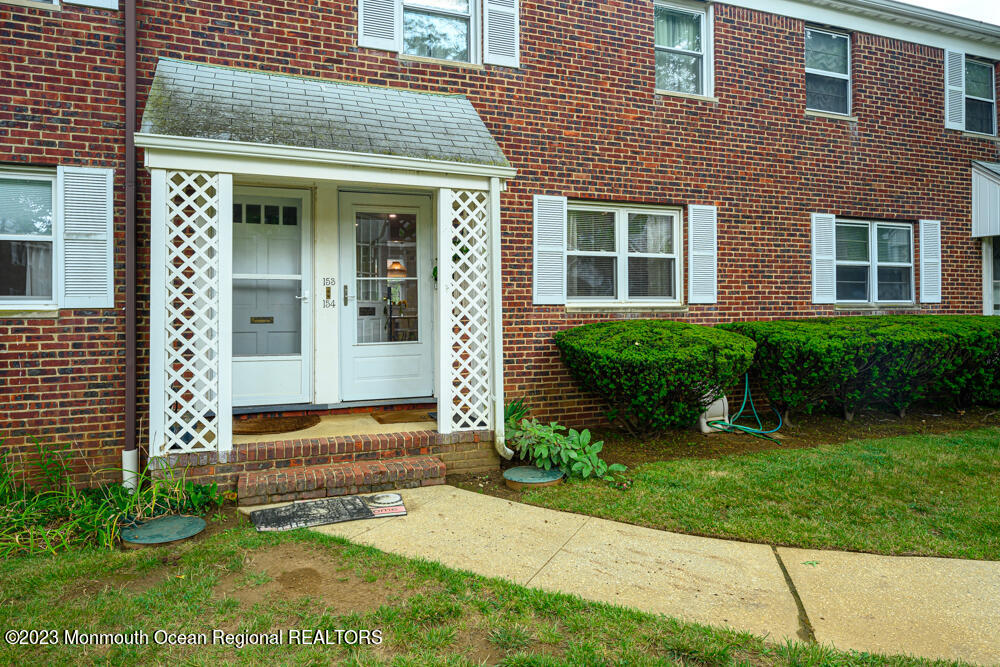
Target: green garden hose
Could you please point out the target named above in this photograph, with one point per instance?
(732, 427)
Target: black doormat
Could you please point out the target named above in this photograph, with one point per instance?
(308, 513)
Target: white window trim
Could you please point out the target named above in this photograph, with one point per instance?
(834, 75)
(55, 237)
(707, 53)
(622, 254)
(993, 100)
(475, 30)
(873, 264)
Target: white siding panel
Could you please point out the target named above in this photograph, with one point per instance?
(985, 205)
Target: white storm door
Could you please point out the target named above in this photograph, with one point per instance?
(272, 331)
(386, 297)
(991, 270)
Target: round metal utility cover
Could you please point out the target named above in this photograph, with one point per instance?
(163, 529)
(530, 476)
(386, 499)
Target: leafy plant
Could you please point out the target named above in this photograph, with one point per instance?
(514, 412)
(573, 453)
(654, 374)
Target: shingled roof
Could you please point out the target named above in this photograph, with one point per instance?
(209, 102)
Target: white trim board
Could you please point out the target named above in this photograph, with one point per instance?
(169, 152)
(889, 19)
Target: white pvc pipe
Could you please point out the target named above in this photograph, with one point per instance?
(130, 469)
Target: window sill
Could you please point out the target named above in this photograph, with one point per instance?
(831, 116)
(439, 61)
(46, 312)
(979, 135)
(689, 96)
(877, 306)
(630, 307)
(33, 4)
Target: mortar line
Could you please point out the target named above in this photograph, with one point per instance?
(806, 632)
(556, 552)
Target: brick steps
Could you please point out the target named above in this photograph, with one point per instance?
(259, 487)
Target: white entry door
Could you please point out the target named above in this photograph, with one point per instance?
(386, 293)
(272, 342)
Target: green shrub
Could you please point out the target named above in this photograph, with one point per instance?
(654, 374)
(888, 361)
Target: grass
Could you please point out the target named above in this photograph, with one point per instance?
(934, 495)
(431, 615)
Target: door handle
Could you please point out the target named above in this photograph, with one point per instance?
(346, 298)
(304, 297)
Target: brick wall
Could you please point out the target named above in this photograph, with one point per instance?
(579, 118)
(62, 102)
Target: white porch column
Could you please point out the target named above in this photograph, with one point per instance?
(468, 312)
(190, 313)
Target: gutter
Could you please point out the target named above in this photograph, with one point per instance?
(130, 454)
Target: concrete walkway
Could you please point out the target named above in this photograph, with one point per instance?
(929, 607)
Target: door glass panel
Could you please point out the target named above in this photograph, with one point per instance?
(386, 277)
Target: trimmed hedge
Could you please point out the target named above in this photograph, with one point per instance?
(654, 374)
(886, 361)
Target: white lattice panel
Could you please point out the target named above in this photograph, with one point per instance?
(191, 244)
(469, 317)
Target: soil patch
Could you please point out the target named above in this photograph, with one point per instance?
(806, 431)
(292, 571)
(120, 582)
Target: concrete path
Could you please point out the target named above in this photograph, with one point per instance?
(929, 607)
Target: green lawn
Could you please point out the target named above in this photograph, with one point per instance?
(241, 581)
(925, 494)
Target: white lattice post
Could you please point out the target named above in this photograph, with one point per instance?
(446, 389)
(190, 313)
(496, 318)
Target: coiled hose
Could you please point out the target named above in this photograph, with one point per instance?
(732, 427)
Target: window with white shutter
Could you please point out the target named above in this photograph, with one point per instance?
(954, 90)
(930, 261)
(85, 211)
(969, 93)
(823, 258)
(855, 261)
(379, 24)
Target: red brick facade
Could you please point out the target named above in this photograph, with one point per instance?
(579, 118)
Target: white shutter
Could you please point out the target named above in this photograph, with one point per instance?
(930, 261)
(824, 257)
(501, 44)
(954, 90)
(103, 4)
(379, 24)
(549, 271)
(702, 252)
(85, 209)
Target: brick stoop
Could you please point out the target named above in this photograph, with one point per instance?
(260, 487)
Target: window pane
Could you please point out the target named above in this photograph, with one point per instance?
(449, 5)
(852, 283)
(387, 311)
(893, 244)
(894, 284)
(435, 36)
(26, 269)
(678, 72)
(852, 243)
(978, 79)
(978, 116)
(826, 52)
(678, 30)
(25, 207)
(651, 277)
(650, 233)
(591, 277)
(590, 231)
(824, 93)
